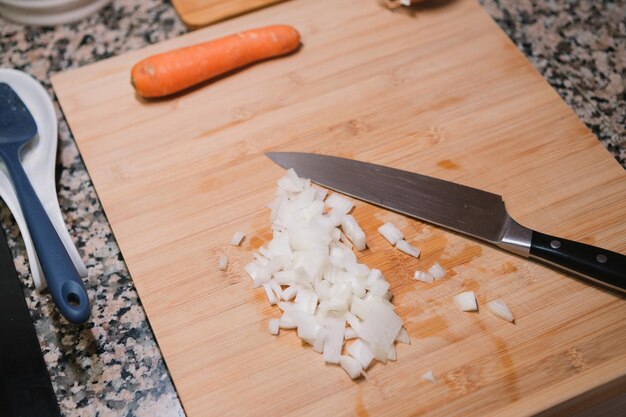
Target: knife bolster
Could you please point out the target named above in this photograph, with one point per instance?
(516, 238)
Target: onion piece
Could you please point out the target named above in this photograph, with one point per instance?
(436, 271)
(320, 338)
(361, 352)
(354, 232)
(273, 326)
(392, 355)
(271, 297)
(429, 376)
(223, 262)
(423, 277)
(349, 333)
(466, 301)
(334, 340)
(339, 203)
(351, 366)
(286, 321)
(307, 327)
(406, 247)
(237, 238)
(500, 309)
(289, 293)
(391, 233)
(353, 321)
(403, 337)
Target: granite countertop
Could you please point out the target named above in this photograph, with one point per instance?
(112, 366)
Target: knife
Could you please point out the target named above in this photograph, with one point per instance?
(467, 210)
(25, 387)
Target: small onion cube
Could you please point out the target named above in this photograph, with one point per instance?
(273, 326)
(237, 238)
(285, 277)
(373, 276)
(379, 287)
(287, 321)
(320, 194)
(403, 337)
(333, 305)
(307, 327)
(320, 338)
(265, 252)
(352, 320)
(392, 355)
(500, 309)
(429, 376)
(391, 233)
(361, 352)
(423, 277)
(354, 232)
(436, 271)
(406, 247)
(334, 340)
(380, 325)
(351, 366)
(271, 297)
(466, 301)
(306, 300)
(223, 262)
(289, 293)
(350, 333)
(276, 289)
(339, 203)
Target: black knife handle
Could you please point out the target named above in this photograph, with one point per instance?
(600, 265)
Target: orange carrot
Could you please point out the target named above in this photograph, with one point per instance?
(169, 72)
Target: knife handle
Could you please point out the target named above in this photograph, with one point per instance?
(590, 262)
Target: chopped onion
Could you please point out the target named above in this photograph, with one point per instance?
(339, 203)
(223, 262)
(361, 352)
(334, 340)
(466, 301)
(354, 232)
(350, 333)
(286, 321)
(273, 326)
(289, 293)
(390, 232)
(309, 270)
(237, 238)
(405, 247)
(500, 309)
(351, 366)
(423, 276)
(307, 326)
(403, 337)
(429, 376)
(271, 297)
(436, 271)
(391, 353)
(320, 338)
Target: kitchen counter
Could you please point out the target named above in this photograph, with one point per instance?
(112, 365)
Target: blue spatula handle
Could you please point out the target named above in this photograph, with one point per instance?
(64, 282)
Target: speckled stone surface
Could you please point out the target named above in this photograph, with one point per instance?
(112, 366)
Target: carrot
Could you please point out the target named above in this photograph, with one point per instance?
(169, 72)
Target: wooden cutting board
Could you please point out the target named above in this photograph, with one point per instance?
(199, 13)
(444, 93)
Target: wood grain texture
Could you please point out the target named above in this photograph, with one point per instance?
(444, 94)
(199, 13)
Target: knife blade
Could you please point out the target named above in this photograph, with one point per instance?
(467, 210)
